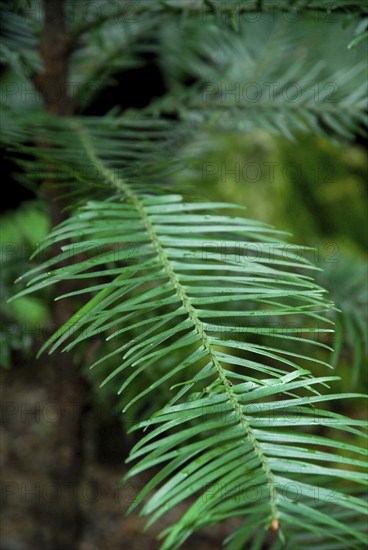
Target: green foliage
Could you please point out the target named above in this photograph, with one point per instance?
(208, 283)
(306, 190)
(215, 328)
(21, 232)
(347, 282)
(265, 77)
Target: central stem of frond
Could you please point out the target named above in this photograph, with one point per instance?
(121, 185)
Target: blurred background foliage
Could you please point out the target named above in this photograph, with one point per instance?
(316, 190)
(23, 321)
(312, 187)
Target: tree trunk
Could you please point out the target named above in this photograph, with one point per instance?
(65, 386)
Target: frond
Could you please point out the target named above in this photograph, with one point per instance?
(183, 288)
(230, 12)
(110, 49)
(132, 146)
(346, 282)
(19, 41)
(266, 76)
(284, 88)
